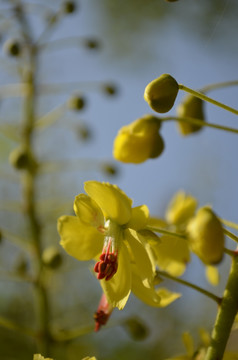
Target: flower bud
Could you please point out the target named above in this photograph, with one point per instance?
(51, 257)
(139, 141)
(190, 107)
(69, 7)
(92, 43)
(21, 159)
(13, 47)
(110, 89)
(136, 328)
(161, 93)
(206, 236)
(109, 169)
(76, 103)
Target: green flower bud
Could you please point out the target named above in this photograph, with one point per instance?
(76, 103)
(21, 159)
(139, 141)
(206, 236)
(69, 7)
(51, 257)
(92, 43)
(136, 328)
(84, 133)
(109, 169)
(13, 47)
(190, 107)
(110, 89)
(161, 93)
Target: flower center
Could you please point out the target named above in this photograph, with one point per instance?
(107, 266)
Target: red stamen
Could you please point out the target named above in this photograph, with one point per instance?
(103, 313)
(107, 265)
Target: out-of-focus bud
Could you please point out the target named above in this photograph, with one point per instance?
(161, 93)
(139, 141)
(181, 208)
(92, 43)
(51, 257)
(69, 7)
(76, 103)
(206, 236)
(21, 266)
(110, 89)
(190, 107)
(103, 313)
(13, 47)
(84, 132)
(21, 159)
(109, 169)
(136, 328)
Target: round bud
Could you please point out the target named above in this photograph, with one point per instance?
(84, 133)
(76, 103)
(139, 141)
(206, 236)
(109, 169)
(190, 107)
(20, 159)
(110, 89)
(161, 93)
(13, 47)
(51, 257)
(69, 7)
(136, 328)
(92, 43)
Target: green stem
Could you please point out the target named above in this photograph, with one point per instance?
(219, 85)
(225, 317)
(231, 235)
(165, 232)
(192, 286)
(207, 98)
(199, 122)
(229, 224)
(28, 179)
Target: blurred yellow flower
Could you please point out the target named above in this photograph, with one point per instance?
(139, 141)
(40, 357)
(206, 236)
(105, 229)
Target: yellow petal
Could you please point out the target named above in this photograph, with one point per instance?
(139, 218)
(167, 297)
(181, 208)
(172, 254)
(212, 275)
(118, 288)
(157, 222)
(188, 343)
(139, 255)
(79, 240)
(112, 200)
(144, 291)
(88, 211)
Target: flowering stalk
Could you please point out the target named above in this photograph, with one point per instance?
(226, 315)
(28, 178)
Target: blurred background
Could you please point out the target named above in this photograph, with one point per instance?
(122, 46)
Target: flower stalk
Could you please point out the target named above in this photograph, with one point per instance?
(226, 315)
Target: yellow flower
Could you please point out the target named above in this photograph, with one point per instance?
(105, 229)
(181, 208)
(206, 236)
(161, 93)
(139, 141)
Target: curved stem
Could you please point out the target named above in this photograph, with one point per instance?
(165, 232)
(219, 85)
(229, 224)
(207, 98)
(192, 286)
(199, 122)
(225, 317)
